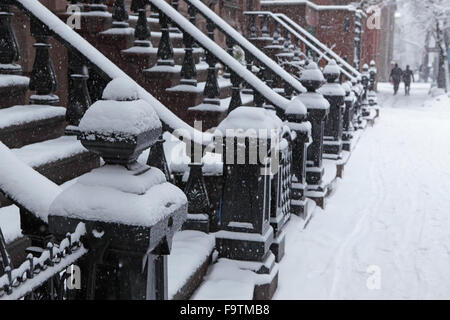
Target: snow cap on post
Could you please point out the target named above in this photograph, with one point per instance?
(331, 72)
(245, 120)
(312, 78)
(120, 127)
(120, 89)
(296, 111)
(346, 88)
(296, 107)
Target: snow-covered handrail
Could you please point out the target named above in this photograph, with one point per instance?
(318, 43)
(310, 4)
(257, 84)
(298, 36)
(24, 186)
(245, 44)
(107, 69)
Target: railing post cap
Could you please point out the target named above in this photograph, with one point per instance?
(121, 126)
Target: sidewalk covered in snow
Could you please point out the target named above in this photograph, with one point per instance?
(385, 233)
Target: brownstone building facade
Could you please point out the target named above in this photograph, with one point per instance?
(355, 34)
(336, 23)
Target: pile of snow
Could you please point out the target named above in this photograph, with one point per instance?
(332, 68)
(121, 113)
(438, 101)
(248, 119)
(190, 249)
(121, 89)
(116, 176)
(295, 106)
(436, 92)
(232, 280)
(312, 73)
(332, 89)
(313, 100)
(139, 199)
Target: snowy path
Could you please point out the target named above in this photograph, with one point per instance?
(389, 218)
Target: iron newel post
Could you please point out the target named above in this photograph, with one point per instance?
(335, 94)
(130, 211)
(318, 109)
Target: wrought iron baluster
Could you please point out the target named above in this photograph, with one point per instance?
(165, 48)
(297, 51)
(119, 15)
(249, 58)
(142, 32)
(173, 28)
(79, 98)
(230, 44)
(157, 158)
(188, 69)
(252, 28)
(43, 77)
(9, 48)
(287, 42)
(236, 100)
(154, 14)
(268, 77)
(211, 91)
(288, 90)
(265, 27)
(258, 98)
(276, 34)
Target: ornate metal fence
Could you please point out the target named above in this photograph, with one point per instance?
(44, 277)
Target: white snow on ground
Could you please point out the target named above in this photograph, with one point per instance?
(389, 218)
(190, 249)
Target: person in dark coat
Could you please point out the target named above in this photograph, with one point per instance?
(407, 76)
(396, 77)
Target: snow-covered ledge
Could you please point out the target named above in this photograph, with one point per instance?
(130, 211)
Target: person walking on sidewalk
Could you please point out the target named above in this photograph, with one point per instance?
(396, 77)
(407, 76)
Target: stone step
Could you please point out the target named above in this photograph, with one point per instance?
(25, 124)
(188, 262)
(60, 159)
(212, 115)
(158, 78)
(13, 90)
(153, 22)
(140, 58)
(193, 96)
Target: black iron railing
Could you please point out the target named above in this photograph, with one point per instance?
(44, 277)
(300, 36)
